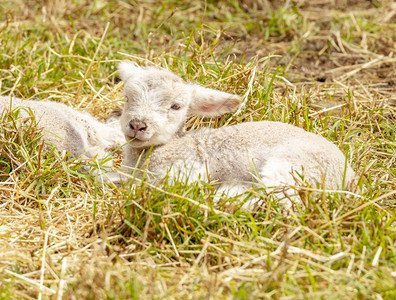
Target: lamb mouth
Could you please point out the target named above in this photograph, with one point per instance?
(133, 138)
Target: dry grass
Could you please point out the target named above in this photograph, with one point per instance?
(327, 66)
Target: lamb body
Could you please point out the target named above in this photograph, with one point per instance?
(266, 153)
(67, 128)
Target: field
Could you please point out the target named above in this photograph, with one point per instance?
(328, 66)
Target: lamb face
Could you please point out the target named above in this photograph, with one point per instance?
(158, 103)
(155, 109)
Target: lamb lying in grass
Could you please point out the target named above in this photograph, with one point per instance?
(67, 128)
(267, 154)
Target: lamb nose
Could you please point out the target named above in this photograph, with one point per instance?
(137, 126)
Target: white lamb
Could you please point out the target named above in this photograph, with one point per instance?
(266, 154)
(67, 128)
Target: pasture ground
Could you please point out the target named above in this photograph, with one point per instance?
(328, 66)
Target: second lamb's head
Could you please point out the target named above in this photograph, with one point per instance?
(158, 103)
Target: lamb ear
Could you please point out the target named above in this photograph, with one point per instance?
(127, 69)
(210, 103)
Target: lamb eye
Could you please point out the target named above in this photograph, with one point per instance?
(175, 107)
